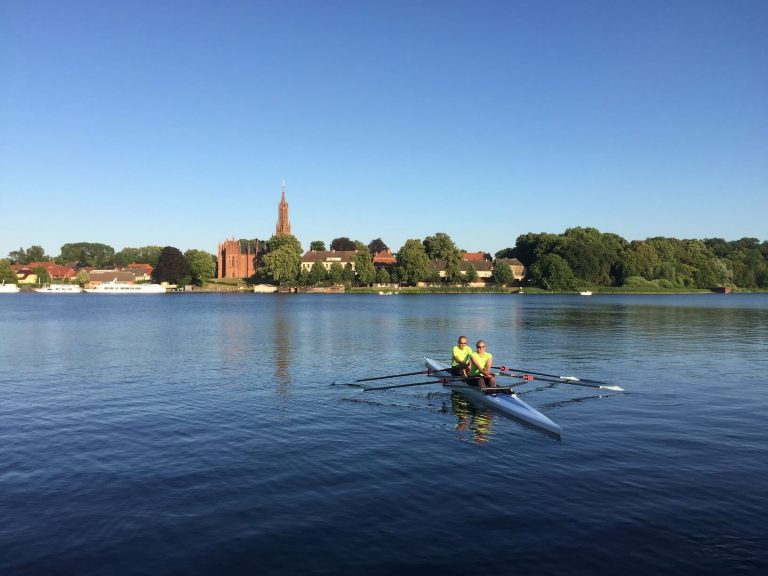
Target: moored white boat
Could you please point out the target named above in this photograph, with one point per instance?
(125, 288)
(8, 288)
(586, 293)
(60, 289)
(508, 404)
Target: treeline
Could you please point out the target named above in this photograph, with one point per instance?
(170, 265)
(586, 257)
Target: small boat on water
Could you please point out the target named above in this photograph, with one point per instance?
(60, 289)
(8, 288)
(508, 404)
(586, 293)
(116, 287)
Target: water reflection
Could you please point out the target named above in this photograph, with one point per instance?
(477, 421)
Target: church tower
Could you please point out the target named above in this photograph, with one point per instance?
(283, 224)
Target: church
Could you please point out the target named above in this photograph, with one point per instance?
(240, 258)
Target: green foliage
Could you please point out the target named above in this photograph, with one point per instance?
(282, 263)
(377, 245)
(348, 275)
(42, 275)
(144, 255)
(89, 253)
(470, 275)
(336, 273)
(83, 278)
(366, 273)
(342, 243)
(34, 253)
(172, 267)
(7, 274)
(202, 266)
(441, 247)
(506, 253)
(412, 263)
(502, 274)
(317, 246)
(317, 274)
(552, 272)
(382, 276)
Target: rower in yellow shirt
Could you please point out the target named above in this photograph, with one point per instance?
(460, 360)
(481, 362)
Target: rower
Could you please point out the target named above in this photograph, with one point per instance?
(481, 362)
(460, 359)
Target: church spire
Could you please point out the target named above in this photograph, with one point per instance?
(283, 224)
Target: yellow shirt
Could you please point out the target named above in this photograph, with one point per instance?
(463, 354)
(482, 358)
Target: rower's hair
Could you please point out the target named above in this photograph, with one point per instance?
(479, 342)
(461, 337)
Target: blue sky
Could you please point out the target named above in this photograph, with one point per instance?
(175, 122)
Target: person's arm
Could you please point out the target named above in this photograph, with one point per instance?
(490, 363)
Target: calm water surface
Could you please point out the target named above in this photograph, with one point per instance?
(199, 434)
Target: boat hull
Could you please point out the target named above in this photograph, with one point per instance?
(508, 404)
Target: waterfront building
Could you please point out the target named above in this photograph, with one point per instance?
(327, 258)
(239, 258)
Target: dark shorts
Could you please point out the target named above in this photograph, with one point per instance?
(456, 370)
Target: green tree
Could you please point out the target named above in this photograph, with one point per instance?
(89, 253)
(552, 272)
(412, 263)
(7, 274)
(202, 266)
(34, 253)
(441, 247)
(304, 277)
(502, 274)
(42, 275)
(82, 278)
(470, 275)
(342, 243)
(282, 262)
(366, 273)
(126, 256)
(172, 267)
(349, 273)
(382, 276)
(377, 245)
(336, 273)
(317, 246)
(317, 273)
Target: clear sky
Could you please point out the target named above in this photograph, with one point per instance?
(174, 122)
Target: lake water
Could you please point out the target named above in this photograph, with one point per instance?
(200, 434)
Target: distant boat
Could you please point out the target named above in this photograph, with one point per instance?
(586, 293)
(116, 287)
(8, 288)
(60, 289)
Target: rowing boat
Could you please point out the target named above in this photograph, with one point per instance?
(508, 404)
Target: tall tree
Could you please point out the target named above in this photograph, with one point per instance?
(282, 263)
(502, 274)
(441, 247)
(7, 274)
(202, 266)
(377, 245)
(342, 243)
(413, 263)
(317, 273)
(552, 272)
(336, 273)
(366, 273)
(172, 267)
(89, 253)
(317, 246)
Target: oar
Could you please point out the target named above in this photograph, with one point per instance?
(571, 378)
(565, 380)
(435, 381)
(355, 382)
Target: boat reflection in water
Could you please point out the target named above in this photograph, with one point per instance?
(470, 418)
